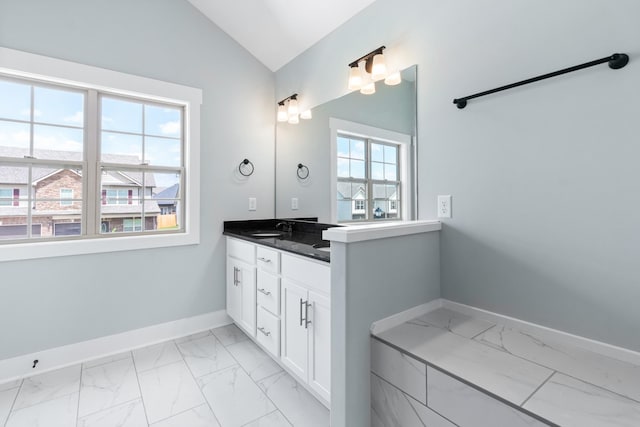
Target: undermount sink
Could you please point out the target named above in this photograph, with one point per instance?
(258, 235)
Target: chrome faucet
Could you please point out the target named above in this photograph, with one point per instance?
(287, 227)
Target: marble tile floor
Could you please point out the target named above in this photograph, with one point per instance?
(217, 378)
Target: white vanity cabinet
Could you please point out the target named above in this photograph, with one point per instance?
(306, 322)
(241, 284)
(282, 301)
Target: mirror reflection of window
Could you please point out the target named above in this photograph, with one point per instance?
(368, 181)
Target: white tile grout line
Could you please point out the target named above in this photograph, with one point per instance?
(135, 369)
(195, 378)
(538, 388)
(15, 398)
(254, 381)
(79, 390)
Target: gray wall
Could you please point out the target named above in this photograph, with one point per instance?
(392, 275)
(390, 108)
(51, 302)
(544, 178)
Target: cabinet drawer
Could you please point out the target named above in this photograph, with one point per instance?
(268, 259)
(241, 250)
(312, 274)
(269, 291)
(268, 333)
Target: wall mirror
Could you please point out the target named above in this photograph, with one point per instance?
(359, 151)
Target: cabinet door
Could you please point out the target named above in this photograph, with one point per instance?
(320, 344)
(293, 337)
(247, 277)
(234, 291)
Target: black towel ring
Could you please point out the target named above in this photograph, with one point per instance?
(245, 168)
(303, 171)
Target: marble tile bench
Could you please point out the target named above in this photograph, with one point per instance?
(446, 369)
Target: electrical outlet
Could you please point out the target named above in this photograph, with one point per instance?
(294, 203)
(444, 206)
(252, 203)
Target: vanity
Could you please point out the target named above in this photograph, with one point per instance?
(279, 292)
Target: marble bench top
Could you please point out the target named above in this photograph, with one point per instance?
(566, 385)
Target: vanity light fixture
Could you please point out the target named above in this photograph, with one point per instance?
(289, 110)
(375, 69)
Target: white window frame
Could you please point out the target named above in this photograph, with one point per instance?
(404, 142)
(20, 64)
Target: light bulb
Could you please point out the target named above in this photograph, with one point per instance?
(282, 113)
(293, 108)
(293, 119)
(368, 88)
(355, 78)
(393, 79)
(306, 115)
(379, 68)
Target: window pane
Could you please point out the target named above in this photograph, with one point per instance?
(377, 171)
(357, 169)
(344, 211)
(61, 107)
(379, 191)
(162, 121)
(168, 218)
(14, 139)
(357, 149)
(343, 168)
(344, 190)
(377, 152)
(121, 115)
(121, 148)
(15, 100)
(390, 154)
(163, 151)
(380, 209)
(56, 192)
(166, 184)
(393, 192)
(52, 142)
(390, 172)
(343, 147)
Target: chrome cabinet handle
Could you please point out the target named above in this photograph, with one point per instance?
(264, 259)
(236, 281)
(266, 333)
(301, 319)
(264, 291)
(307, 322)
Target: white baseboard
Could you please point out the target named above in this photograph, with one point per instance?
(394, 320)
(60, 357)
(605, 349)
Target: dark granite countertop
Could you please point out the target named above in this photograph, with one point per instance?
(303, 238)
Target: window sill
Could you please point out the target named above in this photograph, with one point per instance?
(57, 248)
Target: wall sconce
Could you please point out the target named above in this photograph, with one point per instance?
(289, 111)
(365, 71)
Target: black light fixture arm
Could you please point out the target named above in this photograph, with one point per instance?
(294, 96)
(368, 57)
(616, 61)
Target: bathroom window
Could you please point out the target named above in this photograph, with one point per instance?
(81, 160)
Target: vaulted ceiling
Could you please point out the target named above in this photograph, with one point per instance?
(276, 31)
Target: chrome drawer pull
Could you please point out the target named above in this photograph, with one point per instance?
(307, 322)
(266, 333)
(264, 259)
(264, 291)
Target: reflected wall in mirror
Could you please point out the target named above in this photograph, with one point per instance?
(360, 152)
